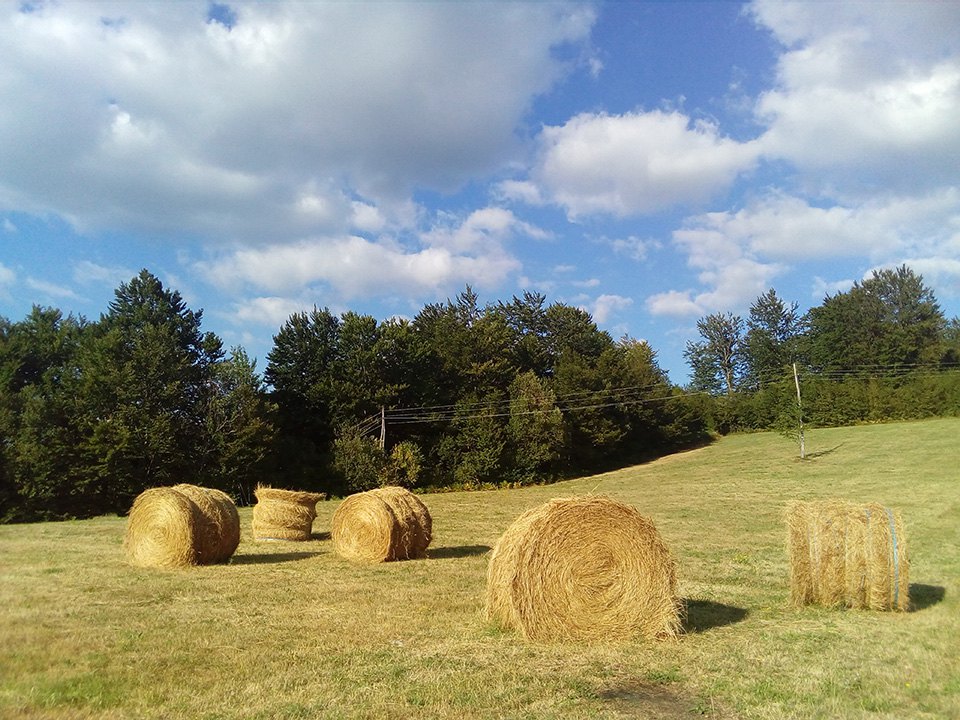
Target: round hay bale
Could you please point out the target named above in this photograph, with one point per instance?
(162, 529)
(218, 535)
(180, 526)
(284, 514)
(845, 554)
(583, 568)
(416, 525)
(381, 525)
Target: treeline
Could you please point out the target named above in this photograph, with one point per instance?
(881, 351)
(463, 395)
(92, 413)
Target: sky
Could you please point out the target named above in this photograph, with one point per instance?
(649, 162)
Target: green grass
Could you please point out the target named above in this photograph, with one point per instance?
(289, 630)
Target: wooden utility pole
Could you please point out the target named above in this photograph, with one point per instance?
(796, 380)
(383, 427)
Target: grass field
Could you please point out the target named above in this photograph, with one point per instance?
(288, 630)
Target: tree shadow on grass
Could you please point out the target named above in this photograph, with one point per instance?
(924, 596)
(264, 558)
(461, 551)
(703, 615)
(821, 453)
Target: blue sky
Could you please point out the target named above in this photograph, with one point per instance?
(651, 162)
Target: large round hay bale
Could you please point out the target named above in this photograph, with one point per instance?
(845, 554)
(180, 526)
(416, 525)
(381, 525)
(583, 568)
(284, 514)
(219, 532)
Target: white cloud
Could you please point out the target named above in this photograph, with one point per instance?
(272, 129)
(482, 229)
(8, 226)
(822, 288)
(267, 311)
(605, 306)
(449, 255)
(788, 228)
(633, 247)
(867, 94)
(7, 276)
(636, 163)
(673, 303)
(738, 253)
(51, 290)
(86, 272)
(519, 190)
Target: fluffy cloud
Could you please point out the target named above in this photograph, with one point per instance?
(271, 128)
(789, 228)
(51, 290)
(605, 306)
(674, 303)
(738, 253)
(266, 311)
(447, 256)
(7, 277)
(867, 95)
(86, 272)
(636, 163)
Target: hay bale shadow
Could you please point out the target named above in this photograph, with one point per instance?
(460, 551)
(265, 558)
(703, 615)
(924, 596)
(320, 536)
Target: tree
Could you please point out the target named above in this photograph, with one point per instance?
(357, 387)
(716, 361)
(535, 429)
(572, 330)
(889, 320)
(142, 377)
(472, 450)
(771, 342)
(40, 477)
(527, 319)
(300, 367)
(237, 429)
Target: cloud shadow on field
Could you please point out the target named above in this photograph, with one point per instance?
(264, 558)
(461, 551)
(924, 596)
(703, 615)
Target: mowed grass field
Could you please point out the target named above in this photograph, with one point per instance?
(289, 630)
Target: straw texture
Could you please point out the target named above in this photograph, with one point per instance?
(382, 525)
(218, 533)
(845, 554)
(284, 514)
(181, 526)
(583, 568)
